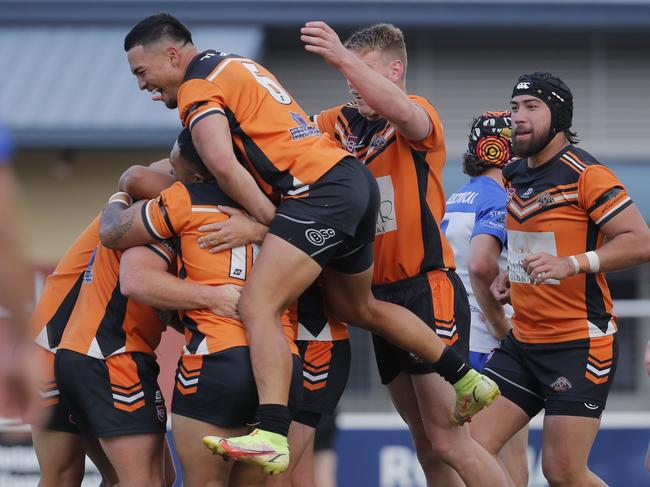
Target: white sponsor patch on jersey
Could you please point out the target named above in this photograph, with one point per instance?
(523, 244)
(387, 218)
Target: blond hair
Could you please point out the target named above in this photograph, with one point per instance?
(379, 37)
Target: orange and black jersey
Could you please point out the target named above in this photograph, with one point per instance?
(272, 135)
(62, 288)
(409, 174)
(104, 322)
(178, 213)
(559, 208)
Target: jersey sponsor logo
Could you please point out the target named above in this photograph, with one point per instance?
(318, 237)
(523, 244)
(351, 143)
(208, 55)
(527, 193)
(510, 193)
(466, 197)
(89, 273)
(302, 128)
(387, 217)
(561, 384)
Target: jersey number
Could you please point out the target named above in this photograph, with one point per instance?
(271, 86)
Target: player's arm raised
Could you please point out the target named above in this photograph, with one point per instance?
(213, 142)
(379, 92)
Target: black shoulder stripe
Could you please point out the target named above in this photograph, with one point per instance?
(165, 215)
(609, 195)
(205, 63)
(160, 254)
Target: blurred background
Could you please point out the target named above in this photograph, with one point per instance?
(78, 119)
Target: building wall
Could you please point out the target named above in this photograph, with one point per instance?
(62, 193)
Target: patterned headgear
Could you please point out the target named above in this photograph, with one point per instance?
(553, 92)
(489, 138)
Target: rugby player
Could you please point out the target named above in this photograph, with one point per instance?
(86, 307)
(474, 225)
(400, 139)
(258, 143)
(215, 389)
(18, 368)
(569, 220)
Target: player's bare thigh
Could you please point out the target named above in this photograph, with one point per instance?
(61, 457)
(200, 467)
(137, 458)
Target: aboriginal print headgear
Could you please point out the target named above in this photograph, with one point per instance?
(490, 138)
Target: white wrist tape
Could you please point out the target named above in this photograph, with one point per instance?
(121, 197)
(575, 263)
(594, 261)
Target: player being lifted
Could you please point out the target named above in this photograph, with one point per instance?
(569, 220)
(258, 143)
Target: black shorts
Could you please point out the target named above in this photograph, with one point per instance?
(334, 220)
(220, 389)
(111, 397)
(57, 413)
(439, 299)
(325, 371)
(566, 379)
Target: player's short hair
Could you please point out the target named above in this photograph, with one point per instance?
(155, 27)
(379, 37)
(190, 155)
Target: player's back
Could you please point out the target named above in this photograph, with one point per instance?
(178, 213)
(271, 132)
(61, 289)
(104, 322)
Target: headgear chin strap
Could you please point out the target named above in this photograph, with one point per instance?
(554, 93)
(489, 138)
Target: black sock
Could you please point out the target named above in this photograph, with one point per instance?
(451, 366)
(275, 418)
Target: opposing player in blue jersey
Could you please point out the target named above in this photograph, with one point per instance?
(474, 225)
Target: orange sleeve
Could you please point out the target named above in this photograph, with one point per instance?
(325, 121)
(165, 250)
(601, 194)
(197, 99)
(168, 214)
(431, 141)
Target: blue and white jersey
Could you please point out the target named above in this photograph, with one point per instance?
(477, 208)
(6, 146)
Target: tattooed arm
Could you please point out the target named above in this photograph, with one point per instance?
(121, 226)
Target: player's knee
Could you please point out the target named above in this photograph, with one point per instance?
(426, 455)
(68, 475)
(559, 471)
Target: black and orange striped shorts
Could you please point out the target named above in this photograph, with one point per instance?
(565, 379)
(440, 300)
(58, 415)
(219, 388)
(325, 371)
(111, 397)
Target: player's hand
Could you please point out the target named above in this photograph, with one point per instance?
(500, 288)
(20, 385)
(321, 39)
(647, 358)
(542, 266)
(226, 300)
(237, 230)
